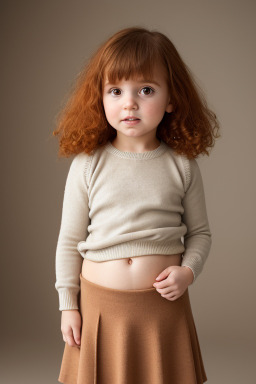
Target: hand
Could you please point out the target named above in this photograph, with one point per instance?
(71, 327)
(173, 281)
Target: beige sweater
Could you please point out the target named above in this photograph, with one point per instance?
(122, 204)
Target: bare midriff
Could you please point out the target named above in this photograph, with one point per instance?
(138, 272)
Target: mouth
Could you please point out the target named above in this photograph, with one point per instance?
(131, 119)
(131, 122)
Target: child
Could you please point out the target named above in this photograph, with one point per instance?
(135, 123)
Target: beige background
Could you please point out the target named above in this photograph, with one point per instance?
(45, 44)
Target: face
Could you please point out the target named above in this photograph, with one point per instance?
(147, 101)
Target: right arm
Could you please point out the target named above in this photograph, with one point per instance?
(73, 228)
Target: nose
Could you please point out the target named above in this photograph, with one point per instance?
(130, 103)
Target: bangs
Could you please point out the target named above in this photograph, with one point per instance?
(131, 59)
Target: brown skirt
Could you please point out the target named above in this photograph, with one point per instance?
(133, 337)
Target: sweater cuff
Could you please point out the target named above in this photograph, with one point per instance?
(68, 299)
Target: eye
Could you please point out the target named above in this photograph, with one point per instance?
(148, 88)
(114, 89)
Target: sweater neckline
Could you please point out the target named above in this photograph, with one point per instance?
(137, 155)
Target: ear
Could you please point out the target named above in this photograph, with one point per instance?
(169, 107)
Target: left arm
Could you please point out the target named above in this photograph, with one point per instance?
(197, 240)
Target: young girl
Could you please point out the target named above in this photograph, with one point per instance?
(136, 121)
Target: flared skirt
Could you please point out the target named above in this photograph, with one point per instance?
(133, 337)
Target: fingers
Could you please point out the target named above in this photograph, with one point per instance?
(169, 292)
(76, 335)
(167, 286)
(174, 285)
(71, 328)
(171, 296)
(172, 292)
(72, 337)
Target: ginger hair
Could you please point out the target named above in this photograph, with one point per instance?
(190, 129)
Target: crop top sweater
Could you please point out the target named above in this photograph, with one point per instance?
(121, 204)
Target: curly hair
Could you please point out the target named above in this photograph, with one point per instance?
(82, 125)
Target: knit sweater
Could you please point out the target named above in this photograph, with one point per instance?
(121, 204)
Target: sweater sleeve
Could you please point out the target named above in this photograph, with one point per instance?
(198, 238)
(73, 228)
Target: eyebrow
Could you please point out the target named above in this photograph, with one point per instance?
(141, 81)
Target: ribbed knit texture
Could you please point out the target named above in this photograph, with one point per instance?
(122, 204)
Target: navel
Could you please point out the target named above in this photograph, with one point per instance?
(129, 261)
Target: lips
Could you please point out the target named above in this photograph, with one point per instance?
(131, 122)
(130, 117)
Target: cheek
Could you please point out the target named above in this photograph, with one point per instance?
(156, 109)
(110, 110)
(111, 114)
